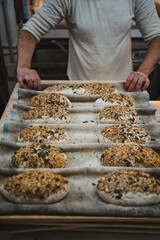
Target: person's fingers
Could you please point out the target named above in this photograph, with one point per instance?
(136, 81)
(145, 82)
(38, 80)
(34, 85)
(133, 83)
(34, 81)
(29, 81)
(146, 85)
(140, 82)
(30, 76)
(20, 80)
(129, 80)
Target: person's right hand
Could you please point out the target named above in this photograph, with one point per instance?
(30, 76)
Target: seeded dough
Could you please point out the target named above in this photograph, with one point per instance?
(35, 187)
(47, 115)
(129, 188)
(82, 89)
(130, 155)
(118, 114)
(38, 156)
(43, 133)
(114, 99)
(49, 99)
(124, 133)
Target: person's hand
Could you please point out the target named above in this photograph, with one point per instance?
(30, 76)
(137, 81)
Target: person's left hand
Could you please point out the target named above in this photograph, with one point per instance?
(137, 81)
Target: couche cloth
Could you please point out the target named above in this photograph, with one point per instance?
(99, 33)
(82, 199)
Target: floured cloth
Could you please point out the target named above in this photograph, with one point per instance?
(85, 115)
(78, 155)
(81, 200)
(99, 33)
(77, 133)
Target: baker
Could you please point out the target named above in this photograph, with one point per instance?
(99, 40)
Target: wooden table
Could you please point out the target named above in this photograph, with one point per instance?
(31, 223)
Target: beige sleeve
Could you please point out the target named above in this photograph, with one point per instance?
(50, 14)
(147, 19)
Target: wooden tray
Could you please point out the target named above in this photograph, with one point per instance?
(33, 223)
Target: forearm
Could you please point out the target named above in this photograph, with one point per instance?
(152, 57)
(139, 79)
(26, 47)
